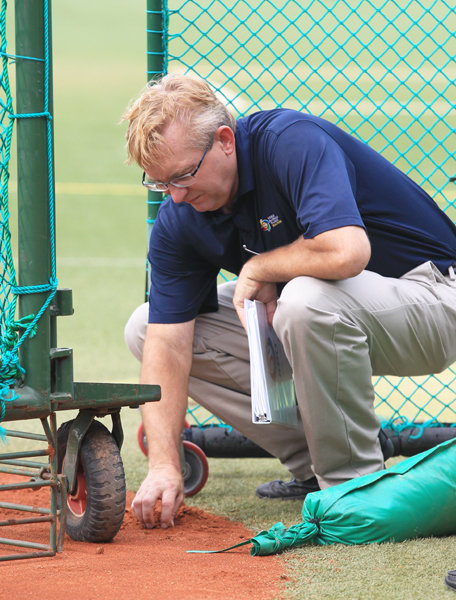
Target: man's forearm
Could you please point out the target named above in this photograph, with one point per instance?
(163, 424)
(335, 254)
(167, 364)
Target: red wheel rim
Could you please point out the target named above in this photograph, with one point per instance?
(141, 437)
(191, 447)
(77, 502)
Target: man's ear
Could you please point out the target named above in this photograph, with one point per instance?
(225, 136)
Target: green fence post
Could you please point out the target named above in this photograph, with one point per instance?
(34, 229)
(155, 39)
(156, 67)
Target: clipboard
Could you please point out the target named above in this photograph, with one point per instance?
(272, 387)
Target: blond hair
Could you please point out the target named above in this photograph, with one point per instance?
(173, 98)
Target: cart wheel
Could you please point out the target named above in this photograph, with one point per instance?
(97, 507)
(195, 469)
(141, 437)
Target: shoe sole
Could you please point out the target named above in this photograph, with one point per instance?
(282, 497)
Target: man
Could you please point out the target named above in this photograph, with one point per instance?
(352, 259)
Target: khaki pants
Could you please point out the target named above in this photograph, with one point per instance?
(337, 335)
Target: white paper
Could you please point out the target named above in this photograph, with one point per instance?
(273, 395)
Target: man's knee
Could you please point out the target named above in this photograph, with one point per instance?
(225, 292)
(135, 330)
(300, 301)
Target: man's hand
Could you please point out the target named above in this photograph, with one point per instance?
(248, 287)
(167, 358)
(163, 482)
(334, 254)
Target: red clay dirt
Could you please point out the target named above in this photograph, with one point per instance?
(139, 563)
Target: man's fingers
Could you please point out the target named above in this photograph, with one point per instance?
(241, 314)
(171, 500)
(143, 507)
(167, 513)
(165, 485)
(270, 311)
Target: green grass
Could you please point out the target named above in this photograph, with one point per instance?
(99, 65)
(412, 570)
(101, 256)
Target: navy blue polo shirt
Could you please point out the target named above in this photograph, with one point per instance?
(298, 175)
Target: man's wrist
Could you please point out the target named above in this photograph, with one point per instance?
(250, 269)
(162, 467)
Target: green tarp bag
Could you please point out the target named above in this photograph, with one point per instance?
(415, 498)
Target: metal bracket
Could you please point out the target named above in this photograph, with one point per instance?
(117, 431)
(78, 429)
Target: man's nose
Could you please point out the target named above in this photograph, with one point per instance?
(177, 194)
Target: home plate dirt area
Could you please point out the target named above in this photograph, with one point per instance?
(139, 563)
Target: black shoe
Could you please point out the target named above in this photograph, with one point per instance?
(450, 580)
(386, 444)
(287, 490)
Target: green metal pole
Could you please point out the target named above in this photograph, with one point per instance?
(155, 39)
(156, 67)
(33, 182)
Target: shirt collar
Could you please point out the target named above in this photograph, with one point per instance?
(244, 163)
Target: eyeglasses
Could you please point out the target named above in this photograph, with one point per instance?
(183, 181)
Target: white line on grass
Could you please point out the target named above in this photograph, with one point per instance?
(99, 189)
(100, 262)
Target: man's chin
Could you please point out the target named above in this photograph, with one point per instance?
(201, 204)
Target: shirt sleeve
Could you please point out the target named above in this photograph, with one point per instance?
(317, 177)
(178, 294)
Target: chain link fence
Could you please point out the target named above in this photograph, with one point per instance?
(382, 70)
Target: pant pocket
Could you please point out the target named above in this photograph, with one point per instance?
(426, 273)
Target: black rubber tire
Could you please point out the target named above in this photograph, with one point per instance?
(101, 471)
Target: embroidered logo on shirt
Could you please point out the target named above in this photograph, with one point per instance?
(272, 221)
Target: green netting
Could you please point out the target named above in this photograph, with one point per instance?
(382, 70)
(13, 331)
(9, 367)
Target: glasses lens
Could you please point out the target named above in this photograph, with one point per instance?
(184, 181)
(155, 186)
(158, 187)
